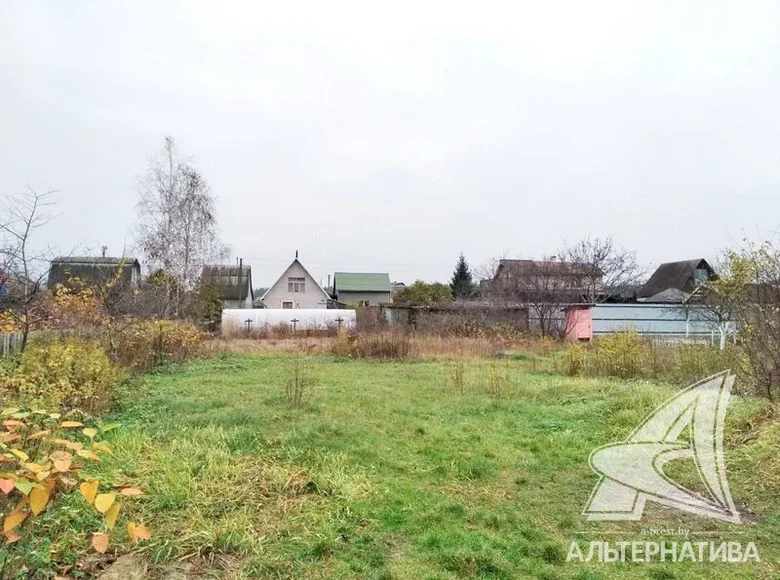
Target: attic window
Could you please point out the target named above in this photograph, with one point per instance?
(296, 284)
(700, 276)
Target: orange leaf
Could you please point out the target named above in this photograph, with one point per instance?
(62, 464)
(103, 501)
(131, 491)
(8, 437)
(89, 489)
(15, 518)
(11, 423)
(11, 536)
(112, 514)
(137, 531)
(50, 485)
(6, 485)
(38, 500)
(100, 542)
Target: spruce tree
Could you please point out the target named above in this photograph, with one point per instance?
(462, 285)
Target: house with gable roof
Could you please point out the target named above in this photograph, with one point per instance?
(233, 284)
(363, 289)
(296, 288)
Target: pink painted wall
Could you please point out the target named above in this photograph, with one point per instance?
(579, 323)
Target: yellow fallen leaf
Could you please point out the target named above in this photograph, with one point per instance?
(89, 489)
(87, 454)
(37, 435)
(41, 475)
(20, 454)
(103, 501)
(70, 424)
(13, 519)
(112, 514)
(100, 542)
(38, 500)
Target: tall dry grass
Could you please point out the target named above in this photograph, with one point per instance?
(627, 355)
(382, 344)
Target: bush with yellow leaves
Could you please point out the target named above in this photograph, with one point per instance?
(65, 372)
(41, 456)
(149, 343)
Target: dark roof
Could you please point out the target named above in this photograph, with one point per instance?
(674, 275)
(558, 267)
(90, 271)
(231, 282)
(361, 282)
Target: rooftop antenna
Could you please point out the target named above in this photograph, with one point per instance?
(104, 249)
(296, 254)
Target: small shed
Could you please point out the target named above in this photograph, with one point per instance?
(579, 322)
(232, 283)
(92, 271)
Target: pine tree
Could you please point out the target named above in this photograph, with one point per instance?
(462, 285)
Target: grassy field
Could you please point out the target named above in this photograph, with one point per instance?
(400, 470)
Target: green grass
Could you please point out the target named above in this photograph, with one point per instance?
(387, 472)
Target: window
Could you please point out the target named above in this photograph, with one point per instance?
(364, 303)
(296, 284)
(287, 304)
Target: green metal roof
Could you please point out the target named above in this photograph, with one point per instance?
(358, 282)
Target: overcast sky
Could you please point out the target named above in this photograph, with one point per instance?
(391, 138)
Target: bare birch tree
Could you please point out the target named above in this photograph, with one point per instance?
(177, 227)
(25, 266)
(603, 268)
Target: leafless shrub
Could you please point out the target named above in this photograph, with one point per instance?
(456, 377)
(497, 380)
(300, 383)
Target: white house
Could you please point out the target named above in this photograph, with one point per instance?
(296, 288)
